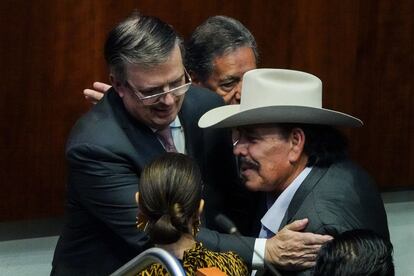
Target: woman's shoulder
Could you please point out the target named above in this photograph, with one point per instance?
(201, 257)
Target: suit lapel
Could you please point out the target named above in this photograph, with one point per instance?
(141, 137)
(192, 133)
(305, 188)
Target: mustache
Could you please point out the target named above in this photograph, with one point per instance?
(245, 163)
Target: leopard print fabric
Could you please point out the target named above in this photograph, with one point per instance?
(200, 257)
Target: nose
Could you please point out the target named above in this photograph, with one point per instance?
(239, 148)
(237, 94)
(167, 99)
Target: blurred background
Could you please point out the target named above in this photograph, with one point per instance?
(51, 50)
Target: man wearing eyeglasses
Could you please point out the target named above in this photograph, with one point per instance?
(151, 108)
(134, 123)
(217, 54)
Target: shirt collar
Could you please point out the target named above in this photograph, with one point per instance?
(174, 124)
(276, 211)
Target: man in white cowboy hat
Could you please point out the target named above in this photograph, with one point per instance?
(288, 146)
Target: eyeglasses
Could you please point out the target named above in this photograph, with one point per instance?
(235, 135)
(153, 96)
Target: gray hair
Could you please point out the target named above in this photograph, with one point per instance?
(217, 36)
(141, 40)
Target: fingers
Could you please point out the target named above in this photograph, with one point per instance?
(292, 249)
(92, 95)
(308, 264)
(308, 252)
(306, 237)
(297, 225)
(293, 259)
(96, 95)
(314, 239)
(100, 86)
(91, 100)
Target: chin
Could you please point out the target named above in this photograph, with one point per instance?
(164, 120)
(255, 187)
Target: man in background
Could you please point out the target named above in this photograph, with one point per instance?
(218, 53)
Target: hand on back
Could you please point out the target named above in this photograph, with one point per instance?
(95, 95)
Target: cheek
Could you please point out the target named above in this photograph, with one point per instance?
(268, 173)
(228, 98)
(272, 162)
(180, 102)
(141, 113)
(253, 180)
(220, 92)
(261, 179)
(140, 110)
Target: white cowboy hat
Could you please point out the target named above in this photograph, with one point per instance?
(277, 96)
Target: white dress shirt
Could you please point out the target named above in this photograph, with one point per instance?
(274, 215)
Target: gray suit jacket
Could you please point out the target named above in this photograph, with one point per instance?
(338, 198)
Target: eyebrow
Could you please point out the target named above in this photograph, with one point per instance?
(146, 89)
(230, 78)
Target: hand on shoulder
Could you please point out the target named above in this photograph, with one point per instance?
(291, 249)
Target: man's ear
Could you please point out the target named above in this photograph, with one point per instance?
(117, 85)
(297, 143)
(137, 197)
(195, 79)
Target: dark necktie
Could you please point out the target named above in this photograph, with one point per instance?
(165, 136)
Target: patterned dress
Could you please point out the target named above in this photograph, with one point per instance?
(200, 257)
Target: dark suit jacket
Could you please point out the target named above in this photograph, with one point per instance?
(336, 199)
(106, 151)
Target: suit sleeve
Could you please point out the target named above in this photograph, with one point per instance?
(345, 198)
(105, 184)
(216, 241)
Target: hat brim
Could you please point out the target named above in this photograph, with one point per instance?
(231, 116)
